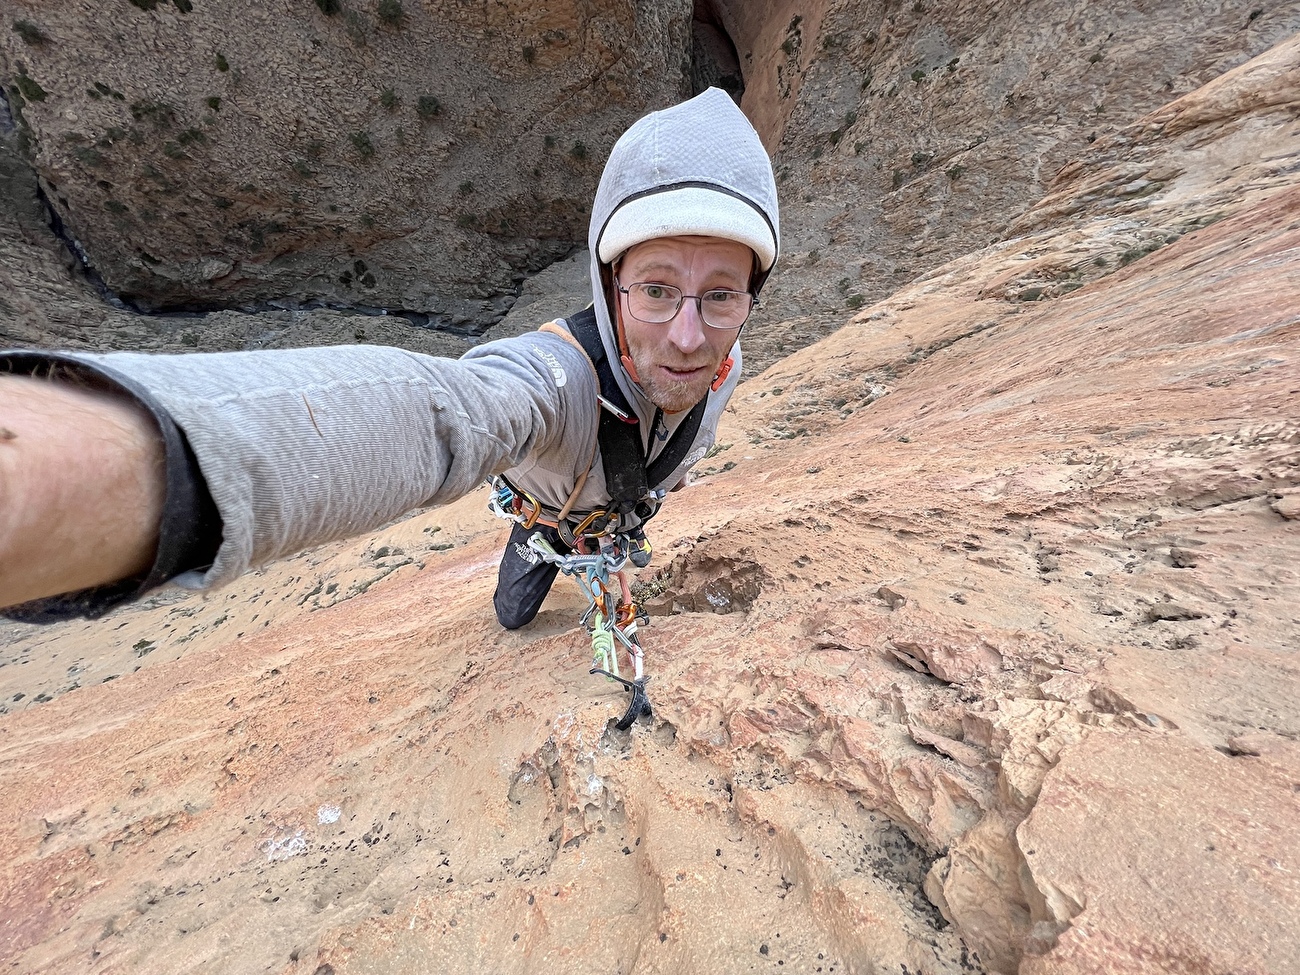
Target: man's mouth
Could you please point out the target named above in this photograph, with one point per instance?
(683, 372)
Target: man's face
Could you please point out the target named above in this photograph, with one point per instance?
(677, 360)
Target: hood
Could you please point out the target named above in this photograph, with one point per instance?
(704, 152)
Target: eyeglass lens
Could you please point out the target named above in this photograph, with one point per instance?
(655, 304)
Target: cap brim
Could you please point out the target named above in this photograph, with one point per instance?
(688, 211)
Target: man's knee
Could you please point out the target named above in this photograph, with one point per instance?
(523, 580)
(511, 614)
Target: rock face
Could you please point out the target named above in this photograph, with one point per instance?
(418, 156)
(426, 157)
(973, 650)
(907, 134)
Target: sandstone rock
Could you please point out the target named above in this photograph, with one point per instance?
(1150, 852)
(949, 654)
(1287, 505)
(892, 598)
(1069, 688)
(1171, 611)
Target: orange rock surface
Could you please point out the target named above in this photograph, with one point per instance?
(974, 649)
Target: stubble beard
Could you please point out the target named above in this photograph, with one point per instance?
(671, 397)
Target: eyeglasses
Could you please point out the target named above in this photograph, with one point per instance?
(656, 304)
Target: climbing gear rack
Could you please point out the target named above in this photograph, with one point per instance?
(611, 617)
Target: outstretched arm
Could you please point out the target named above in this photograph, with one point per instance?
(233, 459)
(82, 484)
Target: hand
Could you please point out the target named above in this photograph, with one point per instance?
(82, 486)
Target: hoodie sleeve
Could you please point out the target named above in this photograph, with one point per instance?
(299, 447)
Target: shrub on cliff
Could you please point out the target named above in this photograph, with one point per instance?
(362, 143)
(28, 87)
(30, 33)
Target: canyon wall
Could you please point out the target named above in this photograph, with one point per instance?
(422, 156)
(428, 157)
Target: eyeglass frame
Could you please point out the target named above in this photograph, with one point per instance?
(754, 302)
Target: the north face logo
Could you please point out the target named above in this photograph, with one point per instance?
(527, 554)
(552, 363)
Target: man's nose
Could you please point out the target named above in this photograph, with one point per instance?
(686, 330)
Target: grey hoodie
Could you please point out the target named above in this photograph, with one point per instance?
(303, 446)
(706, 141)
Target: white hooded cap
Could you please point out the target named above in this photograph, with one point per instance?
(698, 168)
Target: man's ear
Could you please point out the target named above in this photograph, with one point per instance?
(610, 294)
(758, 277)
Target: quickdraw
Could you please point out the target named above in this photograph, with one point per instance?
(612, 615)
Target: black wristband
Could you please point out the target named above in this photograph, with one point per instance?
(190, 533)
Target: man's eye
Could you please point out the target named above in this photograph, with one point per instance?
(655, 292)
(720, 297)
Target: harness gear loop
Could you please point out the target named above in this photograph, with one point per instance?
(507, 501)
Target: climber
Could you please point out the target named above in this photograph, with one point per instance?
(120, 472)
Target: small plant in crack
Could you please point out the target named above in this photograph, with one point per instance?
(362, 143)
(29, 87)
